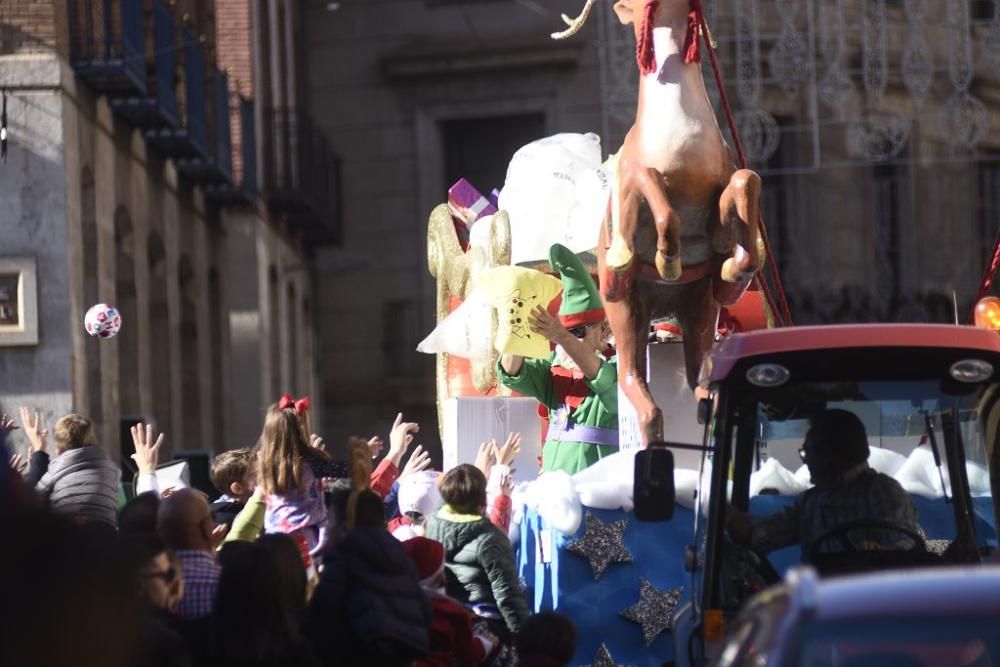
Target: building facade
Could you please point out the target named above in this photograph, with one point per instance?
(873, 125)
(156, 161)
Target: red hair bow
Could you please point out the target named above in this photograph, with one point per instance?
(288, 401)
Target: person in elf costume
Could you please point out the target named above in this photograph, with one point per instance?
(577, 384)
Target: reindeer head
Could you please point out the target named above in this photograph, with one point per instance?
(643, 16)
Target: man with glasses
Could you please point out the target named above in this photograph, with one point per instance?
(846, 490)
(577, 385)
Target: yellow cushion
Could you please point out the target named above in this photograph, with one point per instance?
(515, 291)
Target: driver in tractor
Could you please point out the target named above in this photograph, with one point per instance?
(851, 507)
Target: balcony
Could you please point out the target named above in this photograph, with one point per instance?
(106, 44)
(189, 138)
(242, 189)
(302, 177)
(156, 106)
(215, 163)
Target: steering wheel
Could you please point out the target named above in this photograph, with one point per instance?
(841, 531)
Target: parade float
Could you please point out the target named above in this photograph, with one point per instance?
(669, 227)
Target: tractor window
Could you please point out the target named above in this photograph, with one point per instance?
(875, 476)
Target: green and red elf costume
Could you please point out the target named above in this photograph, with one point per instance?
(582, 413)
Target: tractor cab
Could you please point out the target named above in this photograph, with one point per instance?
(850, 448)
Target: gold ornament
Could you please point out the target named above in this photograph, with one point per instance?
(455, 272)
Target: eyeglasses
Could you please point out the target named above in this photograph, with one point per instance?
(167, 575)
(578, 332)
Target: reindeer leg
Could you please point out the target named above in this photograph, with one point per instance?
(624, 218)
(616, 279)
(668, 224)
(698, 316)
(738, 215)
(629, 321)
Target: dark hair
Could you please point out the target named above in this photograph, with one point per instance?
(547, 634)
(139, 514)
(369, 512)
(229, 467)
(291, 570)
(464, 489)
(253, 621)
(839, 439)
(137, 551)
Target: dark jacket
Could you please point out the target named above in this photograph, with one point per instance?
(225, 510)
(368, 608)
(81, 483)
(480, 563)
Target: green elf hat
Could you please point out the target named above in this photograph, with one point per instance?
(581, 303)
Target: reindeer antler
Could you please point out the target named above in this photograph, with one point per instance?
(575, 24)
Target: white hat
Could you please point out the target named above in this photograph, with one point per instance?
(419, 493)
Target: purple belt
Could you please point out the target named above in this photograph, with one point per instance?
(561, 430)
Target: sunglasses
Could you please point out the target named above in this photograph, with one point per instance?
(167, 575)
(578, 332)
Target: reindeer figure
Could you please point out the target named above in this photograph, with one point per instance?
(681, 235)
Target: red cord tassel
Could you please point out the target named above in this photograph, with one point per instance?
(692, 45)
(644, 54)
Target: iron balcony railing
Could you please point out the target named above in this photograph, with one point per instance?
(157, 105)
(107, 41)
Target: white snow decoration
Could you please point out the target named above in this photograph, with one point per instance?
(552, 495)
(885, 461)
(773, 475)
(803, 476)
(979, 479)
(919, 476)
(479, 233)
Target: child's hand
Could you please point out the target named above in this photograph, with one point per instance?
(18, 464)
(511, 448)
(7, 423)
(419, 460)
(506, 482)
(33, 428)
(147, 452)
(316, 442)
(486, 457)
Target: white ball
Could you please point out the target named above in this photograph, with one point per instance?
(102, 321)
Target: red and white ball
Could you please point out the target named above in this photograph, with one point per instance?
(102, 321)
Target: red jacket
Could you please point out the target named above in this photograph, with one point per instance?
(452, 642)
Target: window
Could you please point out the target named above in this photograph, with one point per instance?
(479, 149)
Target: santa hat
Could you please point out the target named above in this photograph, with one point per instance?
(427, 555)
(581, 303)
(419, 493)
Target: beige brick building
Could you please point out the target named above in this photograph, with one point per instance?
(158, 160)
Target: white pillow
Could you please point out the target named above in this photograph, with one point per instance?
(466, 332)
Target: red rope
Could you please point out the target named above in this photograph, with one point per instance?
(784, 314)
(988, 275)
(645, 56)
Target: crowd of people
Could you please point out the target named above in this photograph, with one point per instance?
(299, 560)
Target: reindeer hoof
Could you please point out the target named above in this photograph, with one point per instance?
(668, 267)
(619, 256)
(737, 269)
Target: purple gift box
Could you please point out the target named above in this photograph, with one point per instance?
(467, 204)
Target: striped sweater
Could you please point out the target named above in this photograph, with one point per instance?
(81, 483)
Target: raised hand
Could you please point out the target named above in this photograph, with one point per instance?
(511, 448)
(375, 446)
(34, 429)
(506, 481)
(147, 450)
(543, 323)
(486, 457)
(316, 442)
(400, 438)
(419, 460)
(7, 423)
(18, 464)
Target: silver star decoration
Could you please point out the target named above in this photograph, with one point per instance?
(604, 659)
(602, 544)
(655, 609)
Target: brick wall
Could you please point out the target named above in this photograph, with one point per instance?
(235, 55)
(28, 26)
